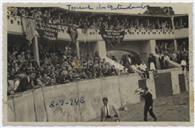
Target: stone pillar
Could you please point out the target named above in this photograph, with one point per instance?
(175, 44)
(152, 46)
(172, 22)
(78, 49)
(101, 48)
(36, 50)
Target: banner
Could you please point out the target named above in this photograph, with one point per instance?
(29, 28)
(49, 31)
(112, 36)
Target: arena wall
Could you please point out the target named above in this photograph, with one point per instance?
(81, 101)
(24, 107)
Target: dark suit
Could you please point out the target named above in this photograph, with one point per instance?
(25, 84)
(148, 106)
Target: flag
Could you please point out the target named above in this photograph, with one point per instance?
(29, 29)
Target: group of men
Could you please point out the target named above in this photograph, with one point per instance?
(110, 114)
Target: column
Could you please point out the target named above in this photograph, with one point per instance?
(36, 50)
(101, 48)
(152, 46)
(175, 44)
(172, 22)
(78, 49)
(158, 22)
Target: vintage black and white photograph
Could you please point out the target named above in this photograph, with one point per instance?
(99, 63)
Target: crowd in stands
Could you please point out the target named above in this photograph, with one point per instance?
(55, 68)
(159, 10)
(64, 67)
(167, 51)
(57, 16)
(133, 64)
(181, 22)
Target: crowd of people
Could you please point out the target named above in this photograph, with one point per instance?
(167, 51)
(133, 64)
(64, 67)
(55, 68)
(57, 16)
(181, 22)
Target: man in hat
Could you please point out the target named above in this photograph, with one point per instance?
(108, 112)
(148, 104)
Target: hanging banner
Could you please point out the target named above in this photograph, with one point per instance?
(49, 31)
(112, 36)
(28, 26)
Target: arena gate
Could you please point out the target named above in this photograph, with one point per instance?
(182, 84)
(163, 84)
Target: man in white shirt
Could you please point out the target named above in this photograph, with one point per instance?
(108, 112)
(183, 64)
(143, 68)
(129, 60)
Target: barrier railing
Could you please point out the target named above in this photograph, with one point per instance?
(82, 100)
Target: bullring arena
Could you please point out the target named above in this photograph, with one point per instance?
(61, 63)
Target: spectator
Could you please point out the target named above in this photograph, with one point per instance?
(152, 62)
(114, 58)
(162, 61)
(166, 61)
(143, 69)
(183, 64)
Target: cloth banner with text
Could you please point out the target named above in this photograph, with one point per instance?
(112, 36)
(48, 31)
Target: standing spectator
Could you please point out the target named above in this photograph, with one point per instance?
(161, 61)
(143, 68)
(128, 60)
(152, 62)
(183, 64)
(167, 59)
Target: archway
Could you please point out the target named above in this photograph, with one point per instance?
(120, 53)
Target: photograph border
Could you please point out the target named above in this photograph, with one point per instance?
(161, 123)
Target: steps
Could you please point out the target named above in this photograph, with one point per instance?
(116, 64)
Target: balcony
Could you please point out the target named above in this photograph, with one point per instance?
(14, 26)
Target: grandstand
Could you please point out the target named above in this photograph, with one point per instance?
(52, 48)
